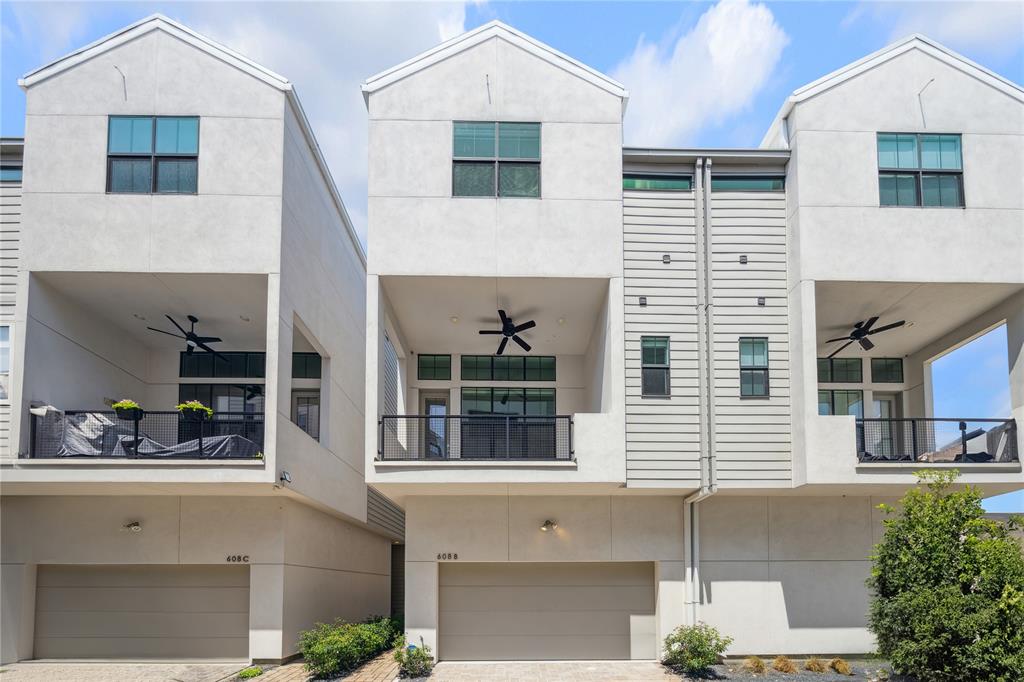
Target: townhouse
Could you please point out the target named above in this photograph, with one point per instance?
(617, 390)
(181, 239)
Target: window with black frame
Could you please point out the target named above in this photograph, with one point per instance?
(654, 367)
(920, 170)
(508, 422)
(753, 367)
(153, 154)
(495, 159)
(840, 371)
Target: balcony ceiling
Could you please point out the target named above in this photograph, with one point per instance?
(132, 301)
(425, 306)
(931, 310)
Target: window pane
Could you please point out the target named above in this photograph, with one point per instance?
(930, 190)
(476, 367)
(500, 365)
(906, 190)
(229, 365)
(475, 140)
(519, 179)
(824, 402)
(476, 401)
(540, 402)
(670, 183)
(131, 175)
(753, 383)
(654, 350)
(547, 368)
(906, 151)
(824, 370)
(130, 135)
(747, 184)
(847, 370)
(10, 174)
(473, 179)
(887, 151)
(848, 403)
(654, 381)
(951, 158)
(753, 353)
(256, 365)
(941, 190)
(177, 135)
(508, 401)
(887, 370)
(931, 151)
(519, 141)
(887, 189)
(176, 176)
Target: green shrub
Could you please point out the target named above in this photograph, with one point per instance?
(695, 648)
(125, 404)
(194, 405)
(948, 588)
(413, 661)
(333, 648)
(250, 672)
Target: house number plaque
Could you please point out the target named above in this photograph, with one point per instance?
(448, 556)
(238, 559)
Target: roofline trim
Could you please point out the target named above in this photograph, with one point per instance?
(689, 153)
(143, 26)
(482, 34)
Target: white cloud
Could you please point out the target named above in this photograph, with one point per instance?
(701, 78)
(993, 28)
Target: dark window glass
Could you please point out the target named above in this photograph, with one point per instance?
(176, 176)
(509, 401)
(476, 401)
(241, 398)
(152, 154)
(887, 370)
(518, 180)
(230, 365)
(929, 170)
(540, 368)
(508, 368)
(666, 183)
(306, 365)
(473, 179)
(10, 173)
(131, 175)
(256, 365)
(841, 402)
(840, 370)
(495, 159)
(474, 140)
(519, 141)
(307, 413)
(753, 367)
(747, 183)
(654, 370)
(434, 367)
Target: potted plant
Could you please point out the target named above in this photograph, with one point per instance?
(194, 411)
(128, 410)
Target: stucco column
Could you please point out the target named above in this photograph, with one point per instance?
(17, 602)
(670, 598)
(421, 603)
(266, 612)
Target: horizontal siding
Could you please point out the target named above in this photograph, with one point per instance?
(384, 514)
(753, 441)
(662, 434)
(10, 259)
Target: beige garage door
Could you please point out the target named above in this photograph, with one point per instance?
(142, 612)
(545, 611)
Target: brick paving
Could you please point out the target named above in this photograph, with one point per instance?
(380, 669)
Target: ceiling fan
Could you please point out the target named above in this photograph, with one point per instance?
(861, 331)
(192, 340)
(509, 330)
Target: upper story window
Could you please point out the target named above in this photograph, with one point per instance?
(920, 170)
(230, 364)
(753, 367)
(841, 402)
(657, 182)
(840, 371)
(434, 367)
(10, 173)
(152, 154)
(887, 370)
(496, 159)
(306, 365)
(654, 366)
(508, 368)
(748, 183)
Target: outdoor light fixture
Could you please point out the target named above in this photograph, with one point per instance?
(643, 301)
(133, 526)
(561, 320)
(743, 260)
(454, 319)
(666, 259)
(286, 477)
(549, 525)
(760, 300)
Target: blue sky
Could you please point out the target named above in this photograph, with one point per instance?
(699, 74)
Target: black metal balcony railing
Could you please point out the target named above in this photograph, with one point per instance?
(937, 440)
(160, 435)
(474, 437)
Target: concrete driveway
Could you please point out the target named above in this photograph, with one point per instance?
(66, 671)
(552, 671)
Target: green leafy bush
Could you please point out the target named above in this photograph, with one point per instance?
(695, 648)
(250, 672)
(948, 588)
(125, 404)
(332, 648)
(413, 661)
(194, 405)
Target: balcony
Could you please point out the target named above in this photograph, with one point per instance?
(158, 435)
(920, 440)
(475, 437)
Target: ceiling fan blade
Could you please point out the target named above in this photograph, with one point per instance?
(888, 327)
(206, 348)
(869, 323)
(501, 346)
(206, 339)
(522, 343)
(163, 332)
(503, 316)
(840, 349)
(865, 343)
(841, 338)
(491, 331)
(526, 325)
(176, 325)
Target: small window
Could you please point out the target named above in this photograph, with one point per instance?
(10, 173)
(306, 412)
(508, 368)
(840, 402)
(495, 159)
(753, 367)
(840, 371)
(748, 183)
(230, 364)
(660, 182)
(540, 368)
(152, 154)
(887, 370)
(5, 362)
(533, 402)
(654, 360)
(920, 170)
(306, 365)
(434, 367)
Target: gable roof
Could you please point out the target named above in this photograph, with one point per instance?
(914, 41)
(493, 29)
(159, 22)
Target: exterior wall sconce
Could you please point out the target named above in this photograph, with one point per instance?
(549, 525)
(643, 301)
(133, 526)
(743, 260)
(760, 300)
(666, 259)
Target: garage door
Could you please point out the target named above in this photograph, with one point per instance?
(545, 611)
(142, 612)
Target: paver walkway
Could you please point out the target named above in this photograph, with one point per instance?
(67, 671)
(380, 669)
